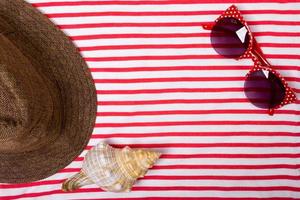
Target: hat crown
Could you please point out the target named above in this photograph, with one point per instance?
(25, 103)
(9, 111)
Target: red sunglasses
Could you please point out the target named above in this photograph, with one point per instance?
(264, 87)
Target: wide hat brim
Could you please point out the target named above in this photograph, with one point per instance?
(56, 52)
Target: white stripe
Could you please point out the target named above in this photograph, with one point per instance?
(203, 140)
(187, 40)
(166, 74)
(203, 150)
(191, 106)
(217, 161)
(167, 63)
(170, 51)
(168, 194)
(203, 172)
(188, 62)
(231, 183)
(170, 96)
(149, 52)
(221, 161)
(178, 183)
(182, 128)
(169, 29)
(163, 85)
(163, 19)
(282, 62)
(222, 172)
(199, 117)
(47, 1)
(178, 74)
(181, 106)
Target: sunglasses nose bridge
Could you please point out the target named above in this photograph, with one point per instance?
(258, 58)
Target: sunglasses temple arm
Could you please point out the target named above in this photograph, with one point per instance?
(257, 52)
(208, 26)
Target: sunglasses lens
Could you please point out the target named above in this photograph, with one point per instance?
(230, 38)
(264, 89)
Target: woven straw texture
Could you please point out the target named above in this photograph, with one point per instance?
(48, 99)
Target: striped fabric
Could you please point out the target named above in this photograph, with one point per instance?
(161, 85)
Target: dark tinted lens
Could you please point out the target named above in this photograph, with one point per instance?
(264, 89)
(229, 37)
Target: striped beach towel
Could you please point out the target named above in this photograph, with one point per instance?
(161, 85)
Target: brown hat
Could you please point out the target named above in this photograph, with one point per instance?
(47, 96)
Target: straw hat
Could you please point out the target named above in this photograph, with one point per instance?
(47, 96)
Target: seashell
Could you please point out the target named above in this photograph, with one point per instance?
(114, 170)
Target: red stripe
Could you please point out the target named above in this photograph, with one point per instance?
(178, 57)
(230, 156)
(128, 24)
(176, 79)
(199, 134)
(173, 35)
(195, 123)
(170, 90)
(219, 177)
(139, 35)
(179, 79)
(175, 46)
(204, 188)
(210, 167)
(31, 184)
(235, 167)
(174, 90)
(149, 13)
(196, 198)
(177, 68)
(168, 57)
(167, 13)
(205, 145)
(81, 3)
(284, 45)
(224, 156)
(163, 188)
(69, 170)
(170, 101)
(152, 46)
(267, 22)
(167, 24)
(184, 68)
(192, 112)
(173, 101)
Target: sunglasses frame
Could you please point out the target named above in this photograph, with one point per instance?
(255, 53)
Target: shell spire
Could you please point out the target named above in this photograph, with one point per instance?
(75, 182)
(112, 169)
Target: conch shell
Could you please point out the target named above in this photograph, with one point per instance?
(114, 170)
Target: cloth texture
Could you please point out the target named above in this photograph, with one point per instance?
(161, 85)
